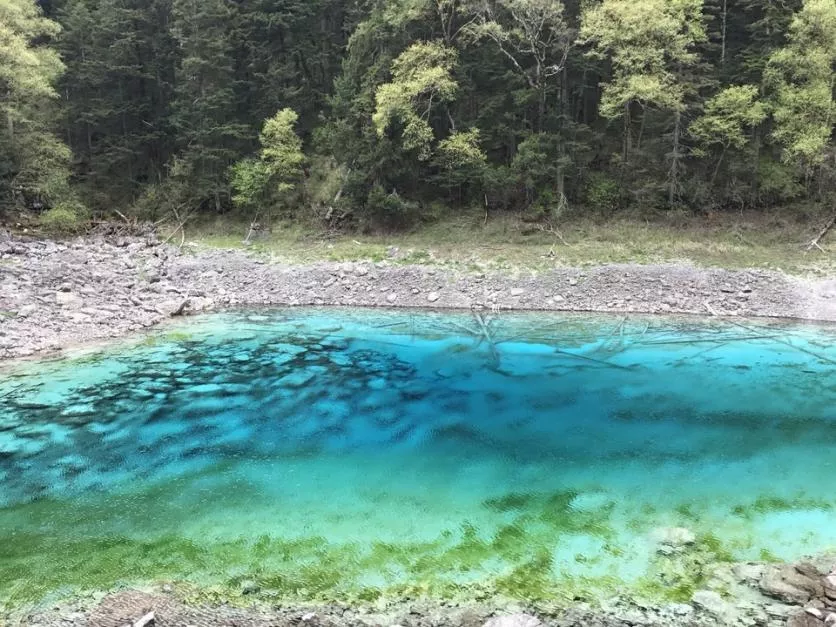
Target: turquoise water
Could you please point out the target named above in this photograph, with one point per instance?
(343, 454)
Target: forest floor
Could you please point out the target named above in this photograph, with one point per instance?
(772, 240)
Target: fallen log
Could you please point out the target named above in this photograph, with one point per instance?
(814, 243)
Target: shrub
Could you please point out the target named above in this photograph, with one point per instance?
(67, 216)
(602, 193)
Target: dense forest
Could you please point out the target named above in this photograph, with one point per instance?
(381, 113)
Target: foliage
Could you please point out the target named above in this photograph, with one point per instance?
(728, 116)
(421, 78)
(278, 168)
(802, 77)
(65, 217)
(519, 105)
(33, 162)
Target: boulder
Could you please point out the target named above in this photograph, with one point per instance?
(789, 585)
(803, 619)
(513, 620)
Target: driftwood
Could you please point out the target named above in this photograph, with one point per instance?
(145, 621)
(814, 243)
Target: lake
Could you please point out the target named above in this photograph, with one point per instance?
(338, 454)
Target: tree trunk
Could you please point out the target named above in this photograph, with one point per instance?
(673, 175)
(723, 33)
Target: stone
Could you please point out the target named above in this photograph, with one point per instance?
(517, 291)
(815, 612)
(711, 602)
(675, 537)
(513, 620)
(309, 617)
(68, 299)
(830, 620)
(787, 584)
(248, 586)
(391, 297)
(808, 570)
(803, 619)
(433, 297)
(748, 573)
(27, 310)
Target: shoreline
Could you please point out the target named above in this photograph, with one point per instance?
(56, 296)
(87, 294)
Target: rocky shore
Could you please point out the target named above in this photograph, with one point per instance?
(57, 294)
(741, 595)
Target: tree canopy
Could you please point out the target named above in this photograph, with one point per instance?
(390, 109)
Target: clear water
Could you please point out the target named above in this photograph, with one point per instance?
(339, 454)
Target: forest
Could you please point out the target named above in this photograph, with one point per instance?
(380, 114)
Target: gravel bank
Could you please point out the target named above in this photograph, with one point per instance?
(56, 294)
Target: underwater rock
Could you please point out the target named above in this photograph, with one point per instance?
(673, 537)
(248, 586)
(803, 619)
(513, 620)
(787, 584)
(711, 602)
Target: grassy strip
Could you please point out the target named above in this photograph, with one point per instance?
(731, 240)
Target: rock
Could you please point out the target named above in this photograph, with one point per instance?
(830, 620)
(391, 297)
(309, 617)
(172, 307)
(27, 310)
(808, 570)
(513, 620)
(433, 297)
(517, 291)
(675, 537)
(748, 573)
(248, 586)
(711, 602)
(814, 612)
(68, 299)
(787, 584)
(803, 619)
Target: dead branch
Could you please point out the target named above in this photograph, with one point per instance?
(814, 243)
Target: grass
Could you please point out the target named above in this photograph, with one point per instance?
(772, 239)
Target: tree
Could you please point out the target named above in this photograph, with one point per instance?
(33, 162)
(117, 94)
(421, 78)
(651, 45)
(726, 119)
(210, 135)
(460, 158)
(268, 179)
(802, 76)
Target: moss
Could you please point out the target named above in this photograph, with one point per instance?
(532, 581)
(509, 502)
(767, 504)
(768, 556)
